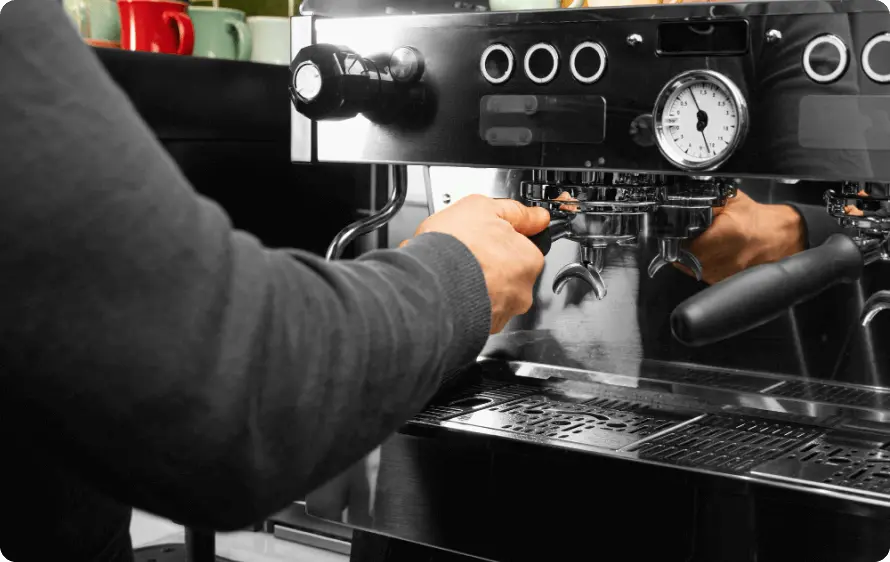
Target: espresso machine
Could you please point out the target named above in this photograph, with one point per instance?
(633, 409)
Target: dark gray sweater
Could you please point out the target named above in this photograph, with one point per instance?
(150, 355)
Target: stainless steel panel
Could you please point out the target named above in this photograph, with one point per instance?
(312, 539)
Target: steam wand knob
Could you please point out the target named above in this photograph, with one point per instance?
(330, 82)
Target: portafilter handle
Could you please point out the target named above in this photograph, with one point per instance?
(762, 293)
(558, 228)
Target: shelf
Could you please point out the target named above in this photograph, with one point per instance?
(192, 98)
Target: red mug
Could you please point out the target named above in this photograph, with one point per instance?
(156, 26)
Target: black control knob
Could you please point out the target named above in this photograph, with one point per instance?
(330, 82)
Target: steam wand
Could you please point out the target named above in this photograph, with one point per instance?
(875, 304)
(396, 200)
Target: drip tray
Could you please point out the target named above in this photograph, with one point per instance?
(832, 394)
(726, 443)
(543, 419)
(834, 463)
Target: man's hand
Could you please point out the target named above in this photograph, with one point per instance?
(746, 233)
(496, 232)
(854, 210)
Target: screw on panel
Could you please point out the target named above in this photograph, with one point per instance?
(446, 198)
(773, 36)
(634, 39)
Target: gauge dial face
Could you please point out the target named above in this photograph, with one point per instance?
(701, 120)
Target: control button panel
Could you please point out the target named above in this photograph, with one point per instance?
(876, 58)
(588, 62)
(541, 63)
(496, 63)
(826, 59)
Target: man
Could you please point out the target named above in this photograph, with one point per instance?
(150, 356)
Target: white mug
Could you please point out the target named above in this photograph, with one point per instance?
(271, 39)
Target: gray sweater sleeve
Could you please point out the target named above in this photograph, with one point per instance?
(172, 362)
(818, 223)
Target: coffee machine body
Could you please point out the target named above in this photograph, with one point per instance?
(632, 126)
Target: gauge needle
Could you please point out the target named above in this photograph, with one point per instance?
(695, 101)
(702, 120)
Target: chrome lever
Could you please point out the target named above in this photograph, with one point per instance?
(875, 304)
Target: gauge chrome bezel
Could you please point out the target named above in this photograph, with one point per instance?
(683, 80)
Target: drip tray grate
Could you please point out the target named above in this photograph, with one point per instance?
(832, 394)
(711, 379)
(483, 394)
(864, 468)
(543, 419)
(726, 443)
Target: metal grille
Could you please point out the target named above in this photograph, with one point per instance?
(727, 381)
(726, 443)
(613, 404)
(832, 394)
(480, 395)
(864, 468)
(541, 418)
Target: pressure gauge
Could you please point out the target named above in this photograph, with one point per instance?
(701, 117)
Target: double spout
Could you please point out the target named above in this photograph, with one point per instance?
(589, 271)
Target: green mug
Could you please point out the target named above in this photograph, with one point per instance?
(95, 19)
(220, 33)
(271, 39)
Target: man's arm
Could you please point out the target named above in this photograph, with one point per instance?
(176, 364)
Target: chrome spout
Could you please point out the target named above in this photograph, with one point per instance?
(875, 304)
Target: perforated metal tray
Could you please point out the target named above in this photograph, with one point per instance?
(612, 425)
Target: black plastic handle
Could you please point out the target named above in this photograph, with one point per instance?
(558, 228)
(542, 240)
(755, 296)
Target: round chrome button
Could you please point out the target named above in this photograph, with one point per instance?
(307, 81)
(867, 58)
(584, 74)
(832, 42)
(496, 63)
(541, 63)
(406, 64)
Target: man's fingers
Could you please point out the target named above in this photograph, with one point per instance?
(740, 196)
(525, 220)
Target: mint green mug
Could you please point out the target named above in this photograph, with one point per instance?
(220, 33)
(271, 39)
(95, 19)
